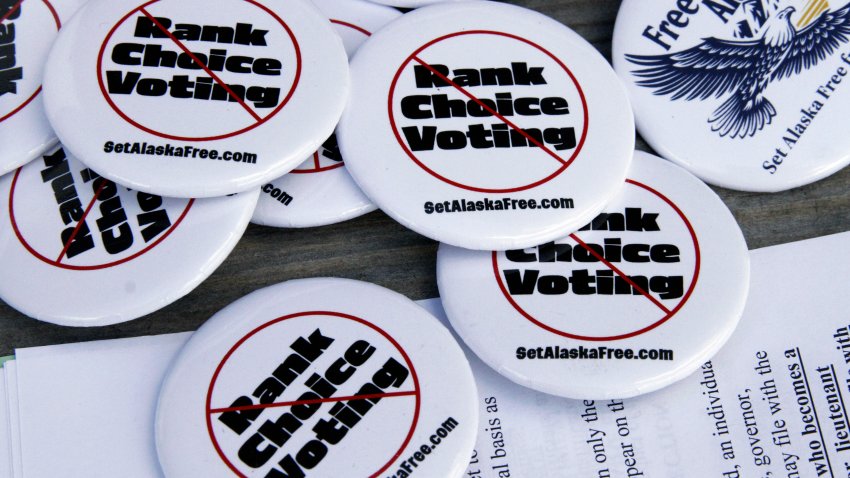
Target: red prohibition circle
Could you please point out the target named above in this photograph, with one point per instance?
(37, 91)
(317, 168)
(388, 337)
(56, 263)
(565, 163)
(641, 331)
(259, 122)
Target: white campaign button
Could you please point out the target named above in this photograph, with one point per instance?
(318, 377)
(635, 300)
(320, 191)
(80, 250)
(485, 125)
(176, 98)
(29, 28)
(746, 95)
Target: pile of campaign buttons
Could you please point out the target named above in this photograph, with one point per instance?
(569, 263)
(160, 163)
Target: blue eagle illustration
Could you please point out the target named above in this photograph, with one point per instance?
(745, 68)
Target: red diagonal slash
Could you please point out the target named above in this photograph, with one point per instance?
(490, 110)
(620, 273)
(202, 65)
(11, 11)
(312, 402)
(82, 220)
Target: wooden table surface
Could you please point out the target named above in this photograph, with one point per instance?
(375, 248)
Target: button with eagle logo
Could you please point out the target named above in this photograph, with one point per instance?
(634, 301)
(176, 98)
(27, 31)
(320, 191)
(318, 378)
(485, 125)
(745, 94)
(80, 250)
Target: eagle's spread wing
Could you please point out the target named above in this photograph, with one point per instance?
(815, 42)
(714, 67)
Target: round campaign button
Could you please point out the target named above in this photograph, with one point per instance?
(485, 125)
(637, 299)
(173, 97)
(320, 191)
(27, 30)
(318, 377)
(746, 95)
(80, 250)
